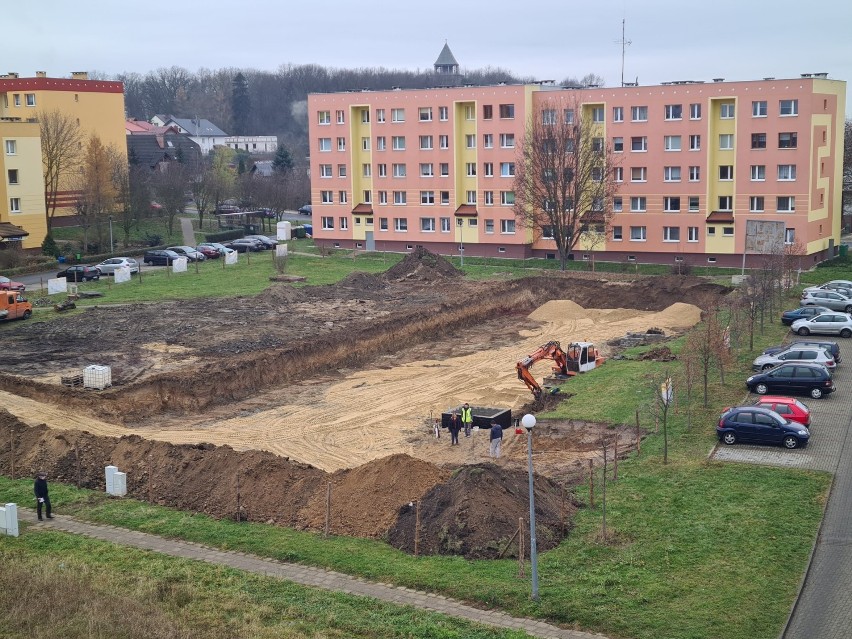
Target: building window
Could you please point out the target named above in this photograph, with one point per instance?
(695, 111)
(341, 117)
(487, 111)
(638, 233)
(711, 260)
(398, 143)
(507, 111)
(639, 144)
(383, 199)
(444, 141)
(726, 141)
(758, 109)
(692, 234)
(548, 117)
(443, 114)
(711, 231)
(489, 197)
(507, 198)
(728, 231)
(507, 226)
(381, 143)
(325, 144)
(726, 203)
(324, 117)
(726, 110)
(596, 174)
(638, 174)
(671, 173)
(469, 112)
(383, 224)
(726, 172)
(341, 144)
(327, 223)
(787, 140)
(368, 199)
(325, 171)
(397, 115)
(785, 107)
(618, 114)
(618, 174)
(672, 142)
(488, 141)
(470, 141)
(445, 198)
(638, 204)
(425, 142)
(15, 205)
(639, 113)
(671, 204)
(399, 171)
(427, 224)
(617, 145)
(470, 197)
(445, 225)
(617, 204)
(694, 173)
(344, 223)
(399, 198)
(758, 172)
(400, 224)
(597, 114)
(507, 169)
(786, 172)
(13, 176)
(597, 145)
(671, 234)
(470, 169)
(341, 170)
(786, 204)
(694, 203)
(383, 170)
(674, 112)
(755, 204)
(365, 144)
(758, 140)
(489, 226)
(507, 140)
(488, 169)
(789, 236)
(426, 170)
(568, 116)
(17, 99)
(380, 115)
(11, 147)
(30, 97)
(425, 114)
(445, 169)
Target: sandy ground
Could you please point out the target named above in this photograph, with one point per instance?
(343, 423)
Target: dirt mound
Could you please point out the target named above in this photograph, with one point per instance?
(422, 264)
(282, 294)
(476, 513)
(363, 282)
(658, 354)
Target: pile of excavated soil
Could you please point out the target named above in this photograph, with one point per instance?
(658, 354)
(363, 282)
(422, 264)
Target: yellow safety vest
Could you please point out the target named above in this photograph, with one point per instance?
(466, 415)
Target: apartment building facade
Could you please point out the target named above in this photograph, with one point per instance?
(695, 164)
(97, 107)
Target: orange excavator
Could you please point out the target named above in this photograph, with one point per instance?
(579, 358)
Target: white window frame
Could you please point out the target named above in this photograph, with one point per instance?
(424, 114)
(788, 108)
(638, 174)
(756, 204)
(488, 169)
(325, 145)
(638, 204)
(638, 233)
(759, 109)
(674, 112)
(11, 147)
(671, 234)
(727, 110)
(672, 143)
(30, 99)
(470, 141)
(443, 113)
(14, 205)
(400, 224)
(693, 203)
(726, 172)
(445, 225)
(327, 222)
(617, 204)
(786, 172)
(444, 141)
(380, 115)
(695, 111)
(487, 140)
(618, 114)
(323, 118)
(507, 140)
(398, 143)
(398, 115)
(507, 227)
(344, 223)
(470, 169)
(507, 198)
(598, 114)
(617, 234)
(726, 141)
(668, 203)
(427, 225)
(694, 173)
(399, 170)
(400, 198)
(726, 202)
(643, 143)
(639, 114)
(381, 143)
(426, 142)
(758, 172)
(692, 234)
(426, 170)
(785, 204)
(671, 174)
(507, 169)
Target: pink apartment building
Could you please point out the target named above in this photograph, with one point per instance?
(392, 170)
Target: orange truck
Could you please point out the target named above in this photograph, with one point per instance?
(13, 305)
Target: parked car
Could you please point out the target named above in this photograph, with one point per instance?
(797, 379)
(10, 285)
(761, 426)
(223, 250)
(268, 242)
(842, 283)
(188, 252)
(307, 209)
(811, 354)
(830, 286)
(80, 273)
(244, 244)
(160, 256)
(109, 266)
(832, 347)
(788, 317)
(825, 324)
(208, 251)
(830, 299)
(789, 408)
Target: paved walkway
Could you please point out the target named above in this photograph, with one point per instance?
(305, 575)
(188, 231)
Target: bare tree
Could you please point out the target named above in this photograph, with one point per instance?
(565, 180)
(662, 387)
(61, 141)
(120, 177)
(96, 192)
(169, 185)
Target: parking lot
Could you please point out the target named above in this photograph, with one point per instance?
(829, 422)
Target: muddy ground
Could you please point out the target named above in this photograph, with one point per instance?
(329, 384)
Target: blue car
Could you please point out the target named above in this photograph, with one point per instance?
(760, 426)
(805, 312)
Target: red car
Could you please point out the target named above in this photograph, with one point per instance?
(208, 251)
(789, 408)
(8, 285)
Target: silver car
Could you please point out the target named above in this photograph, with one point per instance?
(109, 266)
(830, 299)
(825, 324)
(811, 355)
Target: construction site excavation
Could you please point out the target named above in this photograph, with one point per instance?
(279, 395)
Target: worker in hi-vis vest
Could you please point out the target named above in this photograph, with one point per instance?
(467, 419)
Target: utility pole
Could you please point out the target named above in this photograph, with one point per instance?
(624, 42)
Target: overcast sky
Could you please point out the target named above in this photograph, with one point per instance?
(701, 40)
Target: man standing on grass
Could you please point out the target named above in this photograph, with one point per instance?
(40, 490)
(496, 437)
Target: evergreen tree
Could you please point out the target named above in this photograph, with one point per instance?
(49, 247)
(283, 162)
(240, 104)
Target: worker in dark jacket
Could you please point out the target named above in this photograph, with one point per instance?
(40, 490)
(496, 437)
(455, 427)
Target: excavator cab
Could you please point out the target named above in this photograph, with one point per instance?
(582, 357)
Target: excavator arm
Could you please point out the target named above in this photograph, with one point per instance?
(553, 351)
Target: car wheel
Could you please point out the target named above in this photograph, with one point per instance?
(848, 308)
(28, 314)
(761, 389)
(791, 442)
(729, 438)
(816, 393)
(846, 333)
(766, 367)
(803, 331)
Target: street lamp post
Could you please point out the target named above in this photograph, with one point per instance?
(111, 250)
(461, 239)
(528, 422)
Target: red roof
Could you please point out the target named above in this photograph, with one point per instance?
(725, 217)
(363, 209)
(60, 84)
(466, 210)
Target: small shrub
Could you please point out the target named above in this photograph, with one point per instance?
(49, 247)
(153, 239)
